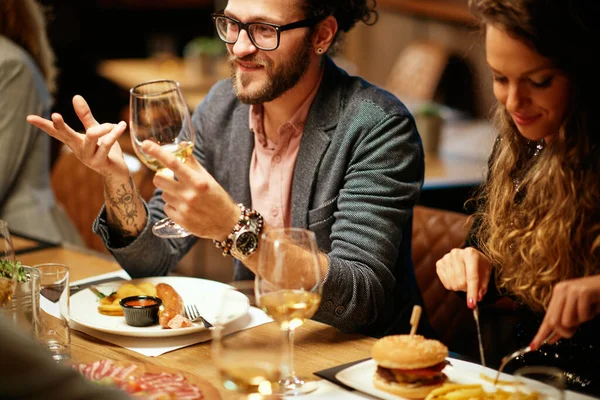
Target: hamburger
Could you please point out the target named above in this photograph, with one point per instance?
(409, 365)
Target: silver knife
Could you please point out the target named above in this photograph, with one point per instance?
(476, 316)
(77, 288)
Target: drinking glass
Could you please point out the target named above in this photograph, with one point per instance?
(549, 382)
(248, 364)
(54, 332)
(8, 269)
(288, 288)
(158, 112)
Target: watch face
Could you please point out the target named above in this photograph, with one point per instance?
(246, 242)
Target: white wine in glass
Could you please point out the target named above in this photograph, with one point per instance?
(158, 112)
(247, 364)
(288, 288)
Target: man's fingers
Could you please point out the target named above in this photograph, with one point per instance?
(43, 124)
(106, 142)
(82, 109)
(167, 159)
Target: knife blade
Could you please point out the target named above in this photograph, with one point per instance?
(476, 316)
(79, 287)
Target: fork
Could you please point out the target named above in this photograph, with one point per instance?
(506, 359)
(194, 315)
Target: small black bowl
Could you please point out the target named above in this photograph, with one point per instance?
(140, 310)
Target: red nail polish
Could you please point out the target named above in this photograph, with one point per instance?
(533, 345)
(471, 302)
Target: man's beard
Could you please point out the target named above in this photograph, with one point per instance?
(277, 81)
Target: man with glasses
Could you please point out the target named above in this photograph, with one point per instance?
(290, 140)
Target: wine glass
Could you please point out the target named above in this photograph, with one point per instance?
(288, 288)
(248, 364)
(158, 112)
(8, 268)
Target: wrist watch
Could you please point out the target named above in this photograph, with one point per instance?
(244, 237)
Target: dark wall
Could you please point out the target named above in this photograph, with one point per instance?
(83, 32)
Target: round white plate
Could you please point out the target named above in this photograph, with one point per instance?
(204, 293)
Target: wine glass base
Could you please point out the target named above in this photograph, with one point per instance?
(166, 228)
(295, 386)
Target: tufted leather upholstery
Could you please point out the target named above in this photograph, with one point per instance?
(435, 232)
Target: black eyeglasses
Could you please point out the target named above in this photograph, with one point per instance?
(263, 35)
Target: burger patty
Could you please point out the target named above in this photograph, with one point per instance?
(398, 376)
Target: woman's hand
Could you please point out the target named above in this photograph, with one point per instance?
(573, 302)
(97, 148)
(467, 270)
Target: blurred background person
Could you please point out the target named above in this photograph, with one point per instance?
(27, 81)
(536, 237)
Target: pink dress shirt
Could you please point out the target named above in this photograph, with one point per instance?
(272, 165)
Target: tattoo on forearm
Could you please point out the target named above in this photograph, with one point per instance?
(123, 208)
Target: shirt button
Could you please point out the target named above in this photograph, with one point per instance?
(274, 211)
(328, 305)
(339, 310)
(277, 159)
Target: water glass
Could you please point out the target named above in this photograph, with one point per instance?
(53, 331)
(247, 364)
(549, 382)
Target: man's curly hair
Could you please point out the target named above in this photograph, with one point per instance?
(346, 12)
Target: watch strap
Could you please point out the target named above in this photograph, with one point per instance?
(248, 218)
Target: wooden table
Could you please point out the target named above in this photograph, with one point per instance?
(319, 346)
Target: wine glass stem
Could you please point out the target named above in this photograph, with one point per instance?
(288, 344)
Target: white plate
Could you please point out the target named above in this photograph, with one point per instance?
(360, 377)
(204, 293)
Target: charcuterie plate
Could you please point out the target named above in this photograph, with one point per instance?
(148, 380)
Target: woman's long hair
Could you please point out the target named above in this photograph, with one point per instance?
(540, 223)
(23, 22)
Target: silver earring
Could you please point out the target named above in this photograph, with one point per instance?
(320, 50)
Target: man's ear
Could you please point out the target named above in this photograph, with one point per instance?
(324, 34)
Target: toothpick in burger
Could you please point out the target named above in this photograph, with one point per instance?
(409, 365)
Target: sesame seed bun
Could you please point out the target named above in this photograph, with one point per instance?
(408, 352)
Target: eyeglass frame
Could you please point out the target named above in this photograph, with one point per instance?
(304, 23)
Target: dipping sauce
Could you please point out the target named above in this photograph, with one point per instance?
(141, 303)
(141, 310)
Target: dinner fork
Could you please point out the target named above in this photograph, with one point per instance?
(506, 359)
(194, 315)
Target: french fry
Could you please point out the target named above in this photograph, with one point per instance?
(463, 394)
(453, 391)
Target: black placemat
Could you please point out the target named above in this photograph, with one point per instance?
(329, 373)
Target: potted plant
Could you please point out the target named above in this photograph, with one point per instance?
(23, 306)
(429, 123)
(201, 56)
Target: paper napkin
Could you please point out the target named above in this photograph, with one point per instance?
(154, 347)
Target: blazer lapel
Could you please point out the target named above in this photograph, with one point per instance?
(241, 145)
(322, 118)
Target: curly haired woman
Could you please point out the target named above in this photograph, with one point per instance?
(536, 236)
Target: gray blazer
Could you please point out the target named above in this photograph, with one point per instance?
(358, 173)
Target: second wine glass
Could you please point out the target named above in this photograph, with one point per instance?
(158, 112)
(288, 288)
